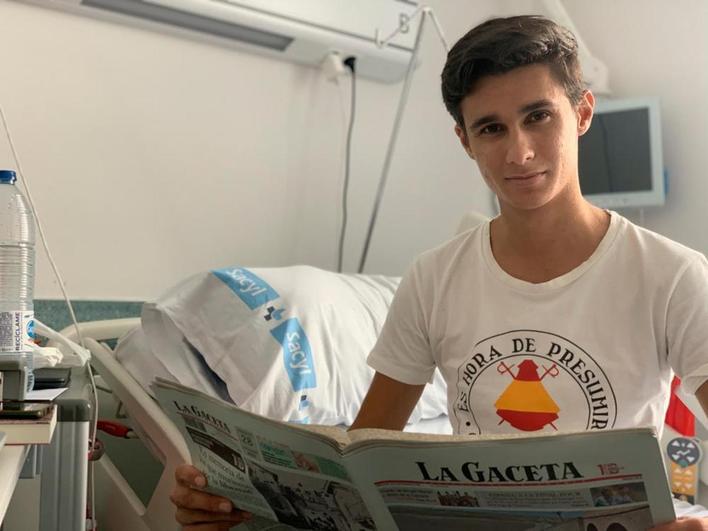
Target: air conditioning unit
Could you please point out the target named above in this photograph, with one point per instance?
(303, 31)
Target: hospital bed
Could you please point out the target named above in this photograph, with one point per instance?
(118, 506)
(128, 371)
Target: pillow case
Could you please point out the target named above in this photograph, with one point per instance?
(289, 343)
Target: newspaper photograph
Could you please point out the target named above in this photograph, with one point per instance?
(300, 483)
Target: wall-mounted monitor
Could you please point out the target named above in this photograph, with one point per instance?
(620, 156)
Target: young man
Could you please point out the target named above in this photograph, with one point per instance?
(556, 315)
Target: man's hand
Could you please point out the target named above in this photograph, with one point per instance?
(684, 524)
(200, 511)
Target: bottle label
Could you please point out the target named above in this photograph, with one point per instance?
(16, 331)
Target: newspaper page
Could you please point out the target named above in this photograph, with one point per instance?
(275, 471)
(601, 480)
(389, 480)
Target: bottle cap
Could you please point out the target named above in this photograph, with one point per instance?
(7, 177)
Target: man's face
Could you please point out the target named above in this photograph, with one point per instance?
(522, 130)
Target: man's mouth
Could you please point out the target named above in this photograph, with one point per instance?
(525, 176)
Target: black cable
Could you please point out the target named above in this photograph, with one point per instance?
(350, 62)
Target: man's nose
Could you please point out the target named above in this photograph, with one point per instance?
(519, 149)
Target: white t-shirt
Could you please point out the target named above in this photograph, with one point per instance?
(591, 349)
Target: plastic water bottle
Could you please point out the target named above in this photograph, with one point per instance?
(16, 273)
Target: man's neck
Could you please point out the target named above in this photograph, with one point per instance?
(541, 244)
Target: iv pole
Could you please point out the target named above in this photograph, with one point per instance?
(424, 12)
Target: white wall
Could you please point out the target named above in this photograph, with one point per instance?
(152, 157)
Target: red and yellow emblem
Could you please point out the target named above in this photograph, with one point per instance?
(525, 403)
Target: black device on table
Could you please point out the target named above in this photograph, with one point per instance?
(14, 409)
(51, 378)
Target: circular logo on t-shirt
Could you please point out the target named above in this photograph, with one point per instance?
(531, 381)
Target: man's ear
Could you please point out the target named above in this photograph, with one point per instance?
(585, 112)
(462, 135)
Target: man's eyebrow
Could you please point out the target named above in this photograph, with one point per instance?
(540, 104)
(479, 122)
(489, 118)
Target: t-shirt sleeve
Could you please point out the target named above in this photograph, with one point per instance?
(687, 325)
(402, 351)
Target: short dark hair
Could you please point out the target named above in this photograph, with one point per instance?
(503, 44)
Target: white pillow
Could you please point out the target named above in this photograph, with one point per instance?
(289, 343)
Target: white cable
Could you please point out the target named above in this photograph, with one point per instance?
(62, 287)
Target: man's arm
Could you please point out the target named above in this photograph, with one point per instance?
(388, 404)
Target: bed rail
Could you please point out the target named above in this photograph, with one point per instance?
(152, 425)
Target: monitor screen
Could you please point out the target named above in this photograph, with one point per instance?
(619, 157)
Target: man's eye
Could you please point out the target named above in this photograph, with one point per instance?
(490, 129)
(539, 116)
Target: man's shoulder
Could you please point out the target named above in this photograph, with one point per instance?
(656, 247)
(465, 245)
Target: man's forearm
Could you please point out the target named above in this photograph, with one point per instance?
(388, 404)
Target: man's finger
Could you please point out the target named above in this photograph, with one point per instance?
(189, 476)
(186, 498)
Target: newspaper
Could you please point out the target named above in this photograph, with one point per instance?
(324, 478)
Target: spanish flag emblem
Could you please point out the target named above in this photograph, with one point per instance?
(525, 403)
